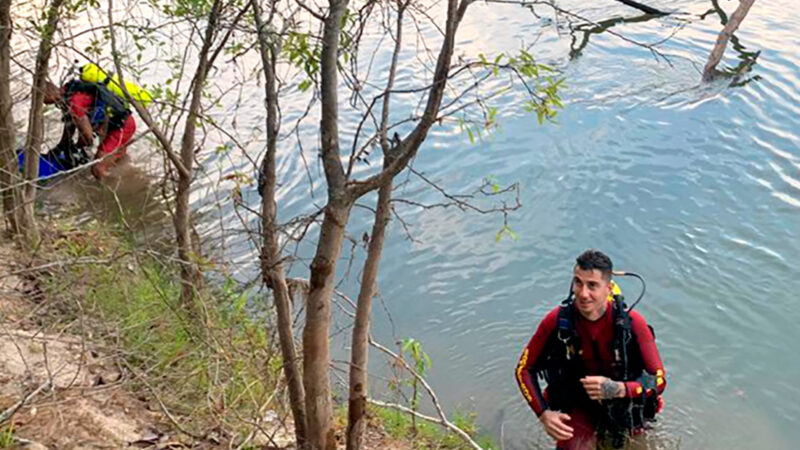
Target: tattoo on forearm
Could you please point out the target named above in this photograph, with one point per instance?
(611, 389)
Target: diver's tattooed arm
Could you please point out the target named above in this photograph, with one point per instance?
(599, 387)
(613, 389)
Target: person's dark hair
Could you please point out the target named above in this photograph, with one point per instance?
(595, 260)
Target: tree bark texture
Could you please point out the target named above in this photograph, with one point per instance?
(190, 272)
(357, 405)
(735, 20)
(8, 156)
(316, 353)
(33, 142)
(359, 350)
(271, 265)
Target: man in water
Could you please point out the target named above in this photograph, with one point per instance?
(92, 108)
(603, 371)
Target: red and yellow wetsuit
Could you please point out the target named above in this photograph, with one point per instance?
(597, 341)
(82, 104)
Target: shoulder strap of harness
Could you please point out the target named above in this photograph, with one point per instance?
(622, 336)
(98, 90)
(566, 329)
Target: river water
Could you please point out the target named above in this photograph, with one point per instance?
(694, 186)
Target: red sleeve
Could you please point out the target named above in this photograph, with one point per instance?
(653, 380)
(79, 104)
(525, 379)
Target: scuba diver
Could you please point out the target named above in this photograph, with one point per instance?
(599, 358)
(91, 108)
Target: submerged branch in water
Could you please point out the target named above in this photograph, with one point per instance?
(710, 72)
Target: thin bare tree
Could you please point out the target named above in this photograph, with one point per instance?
(8, 157)
(35, 136)
(183, 162)
(271, 261)
(342, 193)
(358, 387)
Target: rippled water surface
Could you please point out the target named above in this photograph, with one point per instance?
(694, 186)
(697, 187)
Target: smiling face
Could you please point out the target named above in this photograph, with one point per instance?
(591, 290)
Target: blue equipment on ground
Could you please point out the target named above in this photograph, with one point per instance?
(63, 157)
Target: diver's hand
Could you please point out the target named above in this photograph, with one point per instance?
(100, 171)
(603, 388)
(555, 425)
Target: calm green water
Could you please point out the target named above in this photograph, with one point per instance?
(696, 187)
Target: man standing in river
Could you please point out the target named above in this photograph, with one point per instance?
(604, 375)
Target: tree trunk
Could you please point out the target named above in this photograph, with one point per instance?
(358, 386)
(715, 57)
(316, 354)
(357, 406)
(316, 360)
(33, 143)
(190, 272)
(271, 265)
(8, 156)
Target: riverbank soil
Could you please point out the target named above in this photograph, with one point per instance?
(66, 393)
(82, 333)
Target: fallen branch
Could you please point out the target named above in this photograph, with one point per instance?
(710, 72)
(62, 263)
(5, 415)
(161, 404)
(443, 422)
(428, 388)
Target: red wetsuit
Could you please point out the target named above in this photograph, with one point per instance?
(80, 104)
(597, 340)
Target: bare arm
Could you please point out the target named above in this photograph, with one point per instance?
(86, 137)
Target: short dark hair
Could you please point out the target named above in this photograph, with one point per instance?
(595, 260)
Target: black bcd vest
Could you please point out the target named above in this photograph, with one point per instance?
(562, 368)
(106, 105)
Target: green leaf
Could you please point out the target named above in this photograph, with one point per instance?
(304, 85)
(408, 343)
(511, 233)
